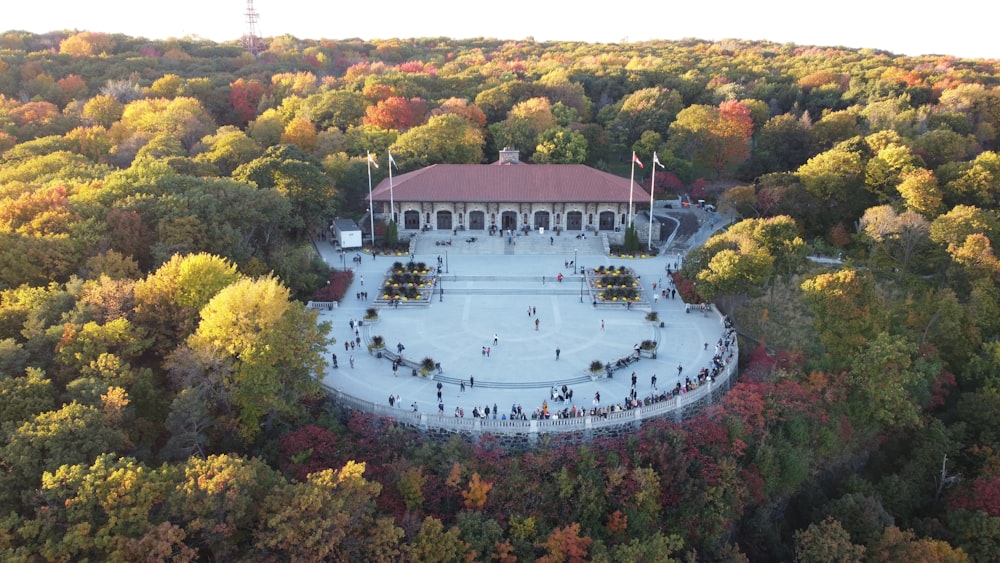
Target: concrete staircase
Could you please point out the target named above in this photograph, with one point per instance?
(531, 244)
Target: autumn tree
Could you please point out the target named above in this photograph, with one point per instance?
(747, 256)
(783, 144)
(86, 44)
(475, 496)
(181, 117)
(298, 177)
(227, 149)
(565, 545)
(26, 394)
(827, 541)
(461, 107)
(397, 113)
(109, 503)
(433, 544)
(525, 122)
(920, 192)
(560, 146)
(301, 133)
(260, 352)
(712, 138)
(897, 235)
(168, 300)
(646, 109)
(73, 434)
(244, 97)
(444, 138)
(220, 500)
(848, 310)
(329, 516)
(335, 108)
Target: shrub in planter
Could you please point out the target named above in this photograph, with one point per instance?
(652, 316)
(377, 343)
(427, 365)
(648, 345)
(371, 313)
(596, 366)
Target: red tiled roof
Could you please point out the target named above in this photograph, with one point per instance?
(513, 184)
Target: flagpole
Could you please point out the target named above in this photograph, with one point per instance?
(392, 207)
(652, 189)
(631, 181)
(371, 203)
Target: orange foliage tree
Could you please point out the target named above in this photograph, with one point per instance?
(475, 496)
(397, 113)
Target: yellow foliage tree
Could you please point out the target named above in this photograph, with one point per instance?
(475, 496)
(300, 132)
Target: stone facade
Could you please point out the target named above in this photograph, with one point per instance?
(486, 216)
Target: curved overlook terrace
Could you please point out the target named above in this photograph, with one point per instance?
(488, 293)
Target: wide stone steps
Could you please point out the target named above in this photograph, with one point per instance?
(516, 385)
(533, 244)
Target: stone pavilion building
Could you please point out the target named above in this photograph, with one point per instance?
(508, 195)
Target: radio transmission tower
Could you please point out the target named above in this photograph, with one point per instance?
(250, 40)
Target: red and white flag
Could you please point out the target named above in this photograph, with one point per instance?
(636, 160)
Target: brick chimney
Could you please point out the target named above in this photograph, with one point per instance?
(509, 155)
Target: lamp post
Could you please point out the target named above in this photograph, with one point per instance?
(446, 261)
(440, 289)
(581, 286)
(343, 260)
(574, 260)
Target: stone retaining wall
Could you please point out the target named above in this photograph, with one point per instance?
(522, 434)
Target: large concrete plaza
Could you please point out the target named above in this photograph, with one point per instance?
(489, 286)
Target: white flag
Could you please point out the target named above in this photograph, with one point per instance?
(656, 161)
(371, 159)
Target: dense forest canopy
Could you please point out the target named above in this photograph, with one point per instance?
(158, 395)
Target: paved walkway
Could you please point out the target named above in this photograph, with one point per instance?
(488, 286)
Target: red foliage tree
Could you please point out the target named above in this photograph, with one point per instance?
(397, 113)
(983, 495)
(336, 286)
(244, 96)
(308, 450)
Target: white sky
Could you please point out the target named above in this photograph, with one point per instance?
(962, 27)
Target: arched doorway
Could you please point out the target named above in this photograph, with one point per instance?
(542, 220)
(444, 220)
(477, 220)
(606, 221)
(574, 221)
(411, 220)
(508, 220)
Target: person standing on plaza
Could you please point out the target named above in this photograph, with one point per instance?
(536, 324)
(472, 382)
(362, 278)
(602, 324)
(680, 368)
(496, 339)
(557, 354)
(352, 361)
(462, 386)
(652, 382)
